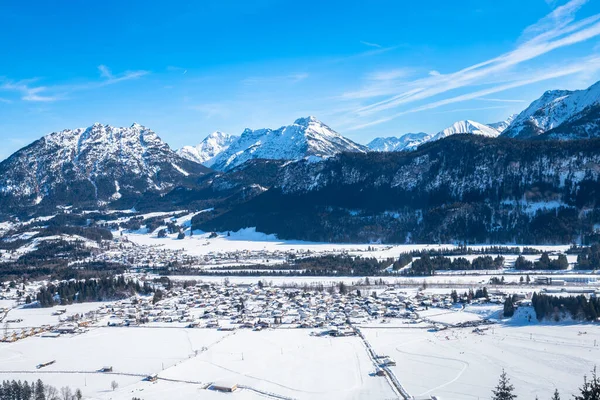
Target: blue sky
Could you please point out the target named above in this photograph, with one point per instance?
(366, 68)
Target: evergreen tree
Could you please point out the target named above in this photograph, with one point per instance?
(509, 307)
(590, 389)
(504, 390)
(556, 395)
(39, 391)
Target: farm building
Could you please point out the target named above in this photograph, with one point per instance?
(224, 387)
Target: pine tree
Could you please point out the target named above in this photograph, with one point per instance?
(39, 391)
(509, 307)
(556, 395)
(504, 390)
(590, 389)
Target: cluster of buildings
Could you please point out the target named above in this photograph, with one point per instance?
(229, 307)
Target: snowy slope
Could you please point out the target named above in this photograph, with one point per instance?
(208, 149)
(467, 126)
(409, 141)
(96, 164)
(568, 113)
(502, 125)
(306, 137)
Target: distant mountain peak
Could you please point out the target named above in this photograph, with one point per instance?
(467, 126)
(307, 120)
(501, 126)
(306, 137)
(94, 165)
(561, 114)
(212, 145)
(408, 141)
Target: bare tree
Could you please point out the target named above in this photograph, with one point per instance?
(114, 385)
(66, 393)
(51, 392)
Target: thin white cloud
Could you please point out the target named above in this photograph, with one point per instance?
(434, 73)
(105, 72)
(29, 92)
(211, 110)
(388, 75)
(502, 100)
(370, 44)
(562, 32)
(292, 78)
(33, 93)
(471, 109)
(580, 66)
(558, 18)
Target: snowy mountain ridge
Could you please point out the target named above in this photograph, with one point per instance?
(570, 114)
(502, 125)
(204, 153)
(100, 163)
(408, 141)
(305, 138)
(467, 126)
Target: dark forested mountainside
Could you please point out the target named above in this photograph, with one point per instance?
(463, 188)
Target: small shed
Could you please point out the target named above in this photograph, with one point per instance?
(227, 387)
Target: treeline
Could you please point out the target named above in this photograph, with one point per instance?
(17, 390)
(554, 307)
(426, 265)
(544, 263)
(463, 250)
(109, 288)
(91, 233)
(588, 257)
(342, 265)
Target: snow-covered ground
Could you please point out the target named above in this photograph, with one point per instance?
(458, 364)
(286, 362)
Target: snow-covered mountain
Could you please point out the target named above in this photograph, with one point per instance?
(409, 141)
(467, 126)
(92, 165)
(204, 153)
(560, 114)
(502, 125)
(306, 137)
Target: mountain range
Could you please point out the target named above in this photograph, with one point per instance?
(470, 181)
(306, 137)
(93, 166)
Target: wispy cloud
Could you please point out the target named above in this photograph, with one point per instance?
(539, 76)
(388, 75)
(471, 109)
(371, 44)
(502, 100)
(30, 91)
(211, 110)
(110, 79)
(292, 78)
(558, 29)
(180, 70)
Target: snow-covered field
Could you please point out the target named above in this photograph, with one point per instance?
(286, 362)
(458, 364)
(249, 240)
